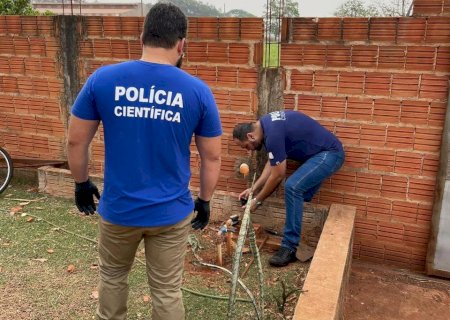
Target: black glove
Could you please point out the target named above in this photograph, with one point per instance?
(202, 218)
(84, 196)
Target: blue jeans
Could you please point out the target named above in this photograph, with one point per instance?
(301, 186)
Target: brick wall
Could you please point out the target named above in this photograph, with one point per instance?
(225, 53)
(31, 124)
(381, 86)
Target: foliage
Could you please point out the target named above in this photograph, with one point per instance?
(395, 8)
(193, 8)
(17, 7)
(238, 13)
(356, 8)
(386, 8)
(277, 9)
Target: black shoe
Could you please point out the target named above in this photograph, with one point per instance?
(283, 257)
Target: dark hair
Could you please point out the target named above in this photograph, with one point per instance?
(164, 25)
(241, 129)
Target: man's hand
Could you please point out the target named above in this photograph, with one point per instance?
(84, 196)
(203, 211)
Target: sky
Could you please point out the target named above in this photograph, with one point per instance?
(307, 8)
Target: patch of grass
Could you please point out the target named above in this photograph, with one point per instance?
(271, 57)
(35, 255)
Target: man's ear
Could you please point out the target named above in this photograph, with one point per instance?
(181, 44)
(251, 136)
(141, 40)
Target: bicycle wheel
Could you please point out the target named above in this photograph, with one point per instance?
(6, 169)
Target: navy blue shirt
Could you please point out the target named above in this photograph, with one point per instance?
(296, 136)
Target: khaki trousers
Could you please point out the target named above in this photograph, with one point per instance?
(165, 248)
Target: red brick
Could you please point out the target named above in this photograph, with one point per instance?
(408, 163)
(217, 52)
(102, 48)
(328, 197)
(360, 202)
(291, 54)
(368, 184)
(338, 56)
(430, 165)
(382, 29)
(355, 29)
(229, 28)
(252, 29)
(427, 7)
(379, 209)
(400, 137)
(424, 214)
(196, 51)
(373, 135)
(420, 58)
(405, 85)
(359, 109)
(364, 56)
(302, 80)
(414, 112)
(356, 157)
(411, 29)
(386, 111)
(112, 27)
(333, 107)
(330, 29)
(326, 81)
(427, 139)
(130, 26)
(304, 29)
(208, 28)
(437, 30)
(416, 235)
(443, 59)
(348, 133)
(434, 87)
(391, 57)
(390, 232)
(289, 101)
(351, 82)
(14, 24)
(403, 211)
(315, 55)
(247, 78)
(241, 101)
(6, 45)
(120, 49)
(222, 98)
(377, 84)
(311, 105)
(94, 26)
(394, 187)
(344, 181)
(45, 25)
(381, 160)
(208, 74)
(239, 53)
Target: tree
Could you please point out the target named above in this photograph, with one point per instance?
(238, 13)
(386, 8)
(395, 8)
(193, 8)
(277, 9)
(17, 7)
(356, 8)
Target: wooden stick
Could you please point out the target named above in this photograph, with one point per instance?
(219, 254)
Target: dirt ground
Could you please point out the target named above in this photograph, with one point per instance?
(377, 292)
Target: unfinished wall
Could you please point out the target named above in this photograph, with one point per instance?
(31, 88)
(380, 85)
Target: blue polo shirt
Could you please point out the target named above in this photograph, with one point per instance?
(296, 136)
(149, 114)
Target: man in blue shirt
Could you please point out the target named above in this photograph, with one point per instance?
(290, 135)
(149, 109)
